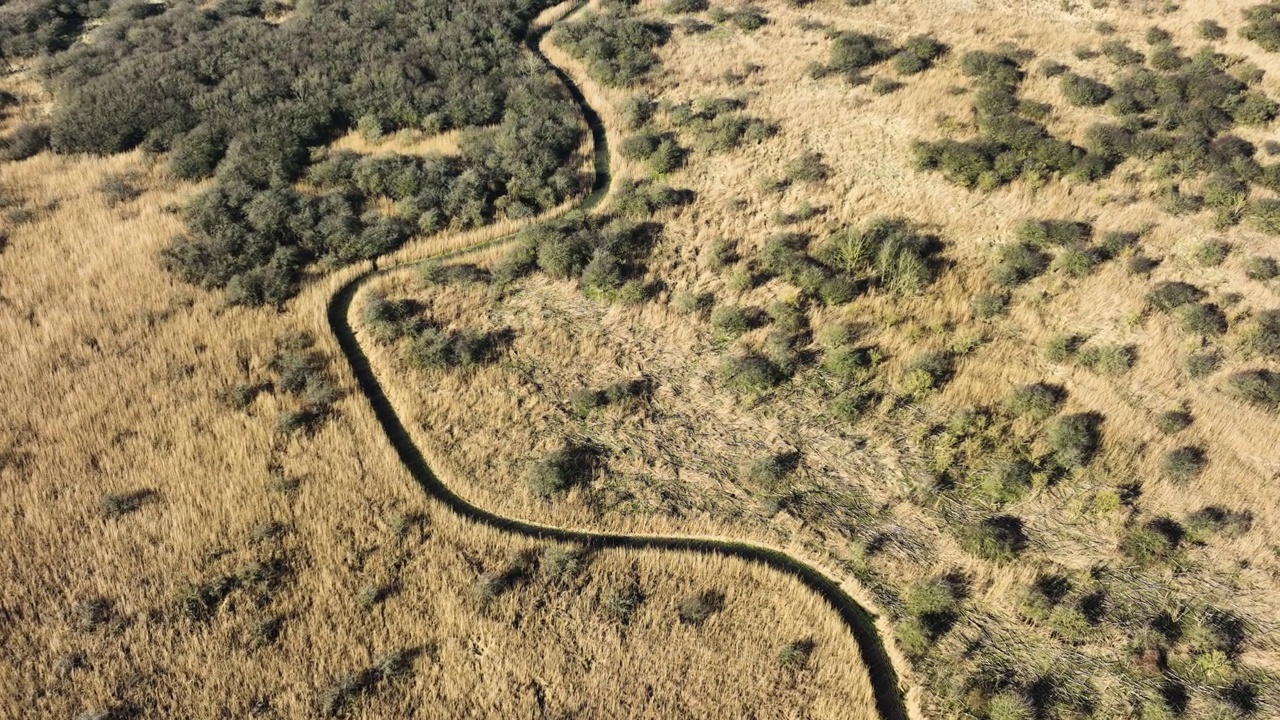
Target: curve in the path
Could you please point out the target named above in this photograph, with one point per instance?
(884, 680)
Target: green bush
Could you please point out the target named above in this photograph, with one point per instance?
(696, 609)
(1152, 542)
(556, 473)
(1073, 439)
(1266, 333)
(1038, 401)
(918, 54)
(1007, 481)
(750, 373)
(926, 372)
(885, 85)
(1084, 92)
(1261, 268)
(1217, 520)
(1210, 30)
(1202, 319)
(999, 538)
(769, 474)
(1169, 295)
(432, 348)
(1261, 387)
(1183, 464)
(1212, 253)
(1119, 52)
(1019, 262)
(684, 6)
(989, 305)
(1262, 26)
(1108, 359)
(621, 602)
(729, 322)
(1054, 232)
(808, 167)
(26, 140)
(1200, 365)
(1076, 263)
(1265, 215)
(1052, 68)
(1173, 421)
(1158, 36)
(617, 49)
(852, 52)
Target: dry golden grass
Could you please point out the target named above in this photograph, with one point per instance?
(675, 462)
(112, 374)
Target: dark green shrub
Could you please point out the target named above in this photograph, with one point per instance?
(26, 140)
(848, 363)
(1168, 295)
(1108, 359)
(1052, 68)
(387, 320)
(432, 348)
(1038, 401)
(556, 473)
(748, 19)
(696, 609)
(789, 317)
(1019, 262)
(852, 52)
(1152, 542)
(1158, 36)
(1261, 268)
(999, 538)
(1183, 464)
(1217, 520)
(1084, 92)
(1076, 262)
(729, 322)
(1266, 333)
(750, 373)
(1261, 387)
(795, 655)
(918, 54)
(1073, 439)
(1200, 365)
(808, 167)
(1265, 215)
(1210, 30)
(989, 305)
(617, 49)
(1202, 319)
(684, 6)
(769, 474)
(1119, 52)
(1173, 421)
(1054, 232)
(638, 110)
(1212, 253)
(884, 85)
(1262, 26)
(1007, 481)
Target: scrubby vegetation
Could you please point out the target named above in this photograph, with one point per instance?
(617, 48)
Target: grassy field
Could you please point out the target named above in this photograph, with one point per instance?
(1101, 419)
(172, 550)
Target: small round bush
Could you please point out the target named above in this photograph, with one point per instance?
(1037, 401)
(1261, 387)
(989, 305)
(1261, 268)
(1202, 319)
(1210, 30)
(698, 608)
(999, 538)
(1212, 253)
(1074, 439)
(1173, 421)
(1084, 92)
(729, 321)
(1184, 463)
(1152, 542)
(1200, 365)
(750, 373)
(1169, 295)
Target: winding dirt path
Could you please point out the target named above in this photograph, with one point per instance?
(889, 697)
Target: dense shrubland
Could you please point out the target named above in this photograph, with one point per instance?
(230, 95)
(618, 49)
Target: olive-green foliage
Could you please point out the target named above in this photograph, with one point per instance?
(1183, 464)
(1211, 253)
(1038, 401)
(1119, 52)
(927, 372)
(1266, 334)
(618, 49)
(1082, 91)
(25, 141)
(1261, 387)
(750, 373)
(1054, 232)
(730, 321)
(1265, 215)
(999, 538)
(1261, 267)
(717, 123)
(684, 6)
(1210, 30)
(889, 252)
(1199, 365)
(1073, 439)
(1173, 421)
(388, 320)
(1154, 541)
(852, 52)
(637, 111)
(433, 348)
(1052, 68)
(808, 167)
(884, 85)
(621, 602)
(1108, 359)
(769, 474)
(1217, 520)
(989, 305)
(1019, 262)
(1205, 319)
(1007, 480)
(1262, 26)
(641, 199)
(1168, 295)
(795, 655)
(561, 470)
(918, 54)
(697, 608)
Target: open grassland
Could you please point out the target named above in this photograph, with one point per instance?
(1052, 485)
(204, 521)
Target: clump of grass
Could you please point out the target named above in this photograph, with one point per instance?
(1019, 263)
(1201, 364)
(770, 473)
(559, 471)
(1173, 421)
(620, 602)
(1212, 253)
(1265, 334)
(1167, 296)
(1201, 319)
(1152, 542)
(1184, 464)
(918, 54)
(750, 373)
(697, 608)
(926, 373)
(729, 322)
(882, 85)
(1261, 268)
(1260, 387)
(115, 505)
(795, 654)
(1082, 91)
(808, 167)
(1210, 30)
(1073, 440)
(1108, 359)
(988, 305)
(998, 538)
(1038, 401)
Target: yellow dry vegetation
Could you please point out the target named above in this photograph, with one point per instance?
(861, 495)
(166, 553)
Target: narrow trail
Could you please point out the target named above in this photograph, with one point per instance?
(889, 698)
